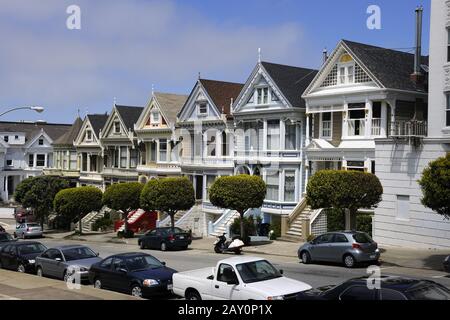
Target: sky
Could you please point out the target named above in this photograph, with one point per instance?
(125, 47)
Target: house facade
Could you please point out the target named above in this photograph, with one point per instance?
(90, 151)
(401, 219)
(25, 151)
(119, 146)
(158, 147)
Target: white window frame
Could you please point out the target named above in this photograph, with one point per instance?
(89, 135)
(346, 76)
(115, 124)
(270, 174)
(290, 171)
(403, 207)
(199, 109)
(261, 94)
(154, 120)
(166, 150)
(322, 136)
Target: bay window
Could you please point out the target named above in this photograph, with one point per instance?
(163, 150)
(31, 160)
(133, 158)
(273, 135)
(123, 157)
(40, 160)
(73, 160)
(289, 186)
(290, 134)
(325, 125)
(93, 167)
(210, 143)
(273, 185)
(84, 162)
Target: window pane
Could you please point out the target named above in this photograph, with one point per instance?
(290, 136)
(123, 157)
(272, 181)
(163, 150)
(273, 135)
(289, 186)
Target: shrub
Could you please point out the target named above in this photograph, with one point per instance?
(249, 228)
(335, 219)
(435, 184)
(364, 223)
(275, 226)
(102, 224)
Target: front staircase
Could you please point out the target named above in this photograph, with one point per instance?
(134, 216)
(165, 222)
(295, 231)
(88, 220)
(221, 225)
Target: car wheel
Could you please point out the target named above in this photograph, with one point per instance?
(15, 235)
(97, 284)
(193, 295)
(349, 261)
(21, 268)
(163, 246)
(306, 257)
(142, 245)
(67, 277)
(136, 291)
(39, 272)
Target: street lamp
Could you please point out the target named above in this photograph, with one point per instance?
(34, 108)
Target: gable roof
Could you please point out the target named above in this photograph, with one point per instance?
(68, 137)
(97, 121)
(31, 129)
(129, 114)
(170, 105)
(222, 92)
(292, 81)
(391, 67)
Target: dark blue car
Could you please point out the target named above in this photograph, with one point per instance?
(138, 274)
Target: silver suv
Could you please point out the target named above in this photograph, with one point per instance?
(347, 247)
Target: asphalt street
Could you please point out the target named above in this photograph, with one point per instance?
(314, 274)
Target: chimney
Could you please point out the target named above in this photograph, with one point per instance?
(324, 55)
(417, 75)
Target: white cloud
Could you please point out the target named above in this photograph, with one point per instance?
(122, 49)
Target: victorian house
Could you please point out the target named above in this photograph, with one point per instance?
(65, 158)
(155, 129)
(118, 142)
(25, 151)
(269, 121)
(90, 151)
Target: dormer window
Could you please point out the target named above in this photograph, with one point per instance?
(203, 109)
(116, 127)
(346, 68)
(262, 95)
(155, 118)
(6, 138)
(41, 142)
(88, 135)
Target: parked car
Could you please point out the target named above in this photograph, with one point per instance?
(165, 238)
(391, 288)
(447, 264)
(347, 247)
(58, 261)
(21, 256)
(6, 238)
(138, 274)
(237, 278)
(28, 230)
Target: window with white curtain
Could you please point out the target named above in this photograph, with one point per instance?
(163, 150)
(273, 185)
(326, 125)
(73, 160)
(262, 95)
(290, 134)
(273, 135)
(289, 186)
(123, 157)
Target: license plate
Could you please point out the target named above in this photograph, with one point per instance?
(181, 237)
(169, 286)
(373, 256)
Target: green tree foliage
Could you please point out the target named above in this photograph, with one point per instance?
(77, 202)
(168, 195)
(339, 189)
(38, 193)
(435, 184)
(240, 193)
(124, 197)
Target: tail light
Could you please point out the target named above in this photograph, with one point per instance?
(356, 246)
(171, 237)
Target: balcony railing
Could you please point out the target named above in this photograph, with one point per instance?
(196, 161)
(408, 128)
(376, 126)
(356, 127)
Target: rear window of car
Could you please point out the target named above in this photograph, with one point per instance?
(362, 237)
(32, 225)
(428, 292)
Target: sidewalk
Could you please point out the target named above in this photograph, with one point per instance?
(390, 256)
(19, 286)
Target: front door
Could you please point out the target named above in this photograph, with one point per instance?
(199, 187)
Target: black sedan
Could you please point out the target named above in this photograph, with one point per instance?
(388, 288)
(21, 256)
(6, 238)
(165, 238)
(138, 274)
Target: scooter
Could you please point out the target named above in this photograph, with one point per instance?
(221, 245)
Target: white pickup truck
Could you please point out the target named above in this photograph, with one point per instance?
(238, 278)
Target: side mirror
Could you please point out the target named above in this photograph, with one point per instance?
(122, 270)
(58, 259)
(281, 271)
(163, 263)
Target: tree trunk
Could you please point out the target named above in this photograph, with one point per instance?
(125, 222)
(350, 219)
(80, 224)
(172, 219)
(242, 226)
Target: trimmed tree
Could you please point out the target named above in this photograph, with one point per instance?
(348, 190)
(435, 184)
(38, 193)
(240, 193)
(124, 197)
(76, 202)
(168, 195)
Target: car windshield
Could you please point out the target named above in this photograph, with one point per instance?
(5, 237)
(255, 271)
(362, 237)
(32, 225)
(31, 248)
(143, 263)
(78, 253)
(428, 292)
